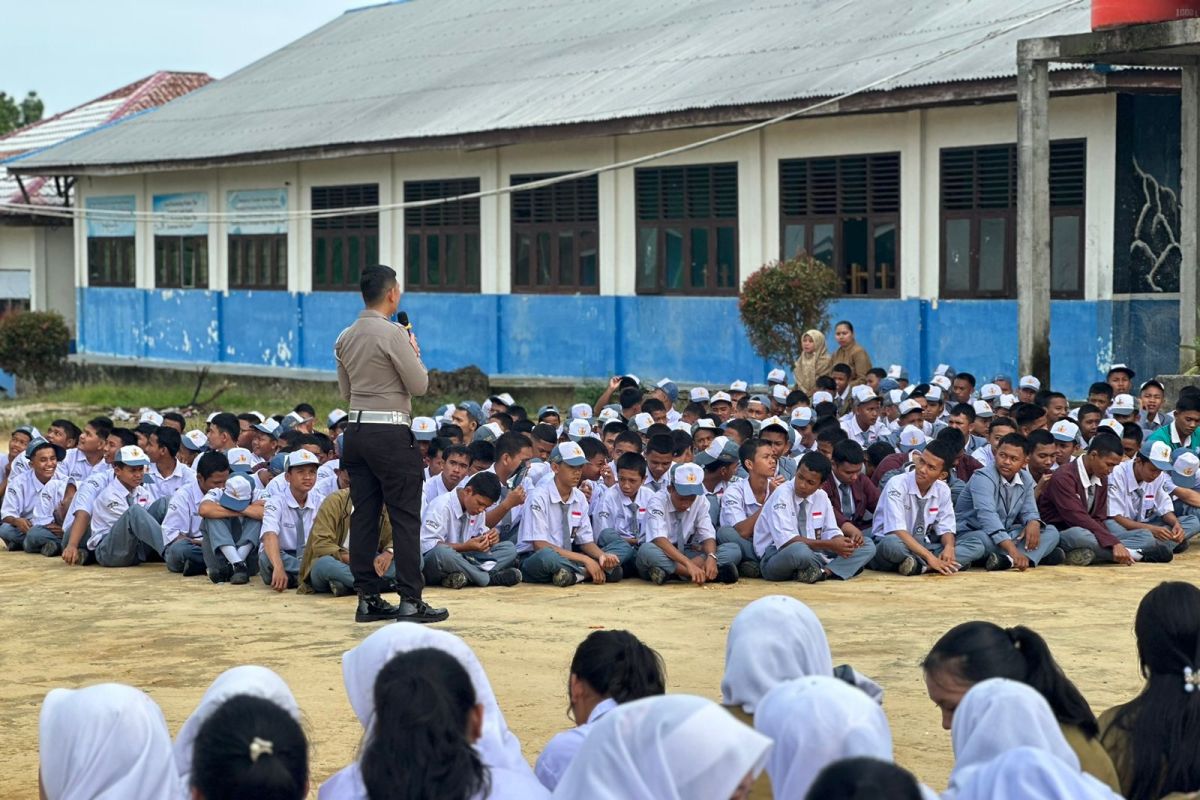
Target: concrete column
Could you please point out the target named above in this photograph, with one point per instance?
(1033, 218)
(1189, 198)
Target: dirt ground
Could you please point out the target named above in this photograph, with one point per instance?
(170, 636)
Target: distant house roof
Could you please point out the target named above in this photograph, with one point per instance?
(139, 96)
(436, 72)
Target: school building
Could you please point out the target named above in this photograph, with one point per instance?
(908, 189)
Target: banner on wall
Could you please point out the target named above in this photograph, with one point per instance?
(183, 205)
(111, 227)
(258, 201)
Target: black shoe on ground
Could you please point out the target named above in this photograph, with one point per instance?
(564, 577)
(239, 574)
(339, 589)
(997, 562)
(413, 610)
(615, 574)
(191, 568)
(15, 546)
(221, 574)
(1054, 558)
(727, 573)
(51, 549)
(506, 577)
(373, 608)
(1182, 547)
(1158, 554)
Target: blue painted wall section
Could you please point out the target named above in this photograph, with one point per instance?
(687, 338)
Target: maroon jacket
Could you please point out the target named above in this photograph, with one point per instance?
(1063, 504)
(965, 467)
(865, 494)
(892, 461)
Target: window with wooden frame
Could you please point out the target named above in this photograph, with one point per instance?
(181, 262)
(111, 261)
(555, 243)
(258, 261)
(978, 220)
(687, 229)
(845, 211)
(344, 246)
(441, 241)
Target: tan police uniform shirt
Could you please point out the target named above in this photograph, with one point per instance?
(378, 369)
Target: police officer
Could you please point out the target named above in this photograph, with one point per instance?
(379, 370)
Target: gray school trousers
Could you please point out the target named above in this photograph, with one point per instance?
(1046, 544)
(650, 555)
(728, 535)
(38, 537)
(235, 532)
(134, 538)
(1083, 539)
(443, 560)
(782, 565)
(291, 565)
(890, 551)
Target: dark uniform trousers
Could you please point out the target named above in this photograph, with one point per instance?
(385, 466)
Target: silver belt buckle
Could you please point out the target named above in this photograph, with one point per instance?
(381, 417)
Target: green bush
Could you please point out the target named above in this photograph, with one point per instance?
(784, 299)
(33, 345)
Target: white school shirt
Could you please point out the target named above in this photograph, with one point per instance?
(542, 519)
(561, 750)
(276, 487)
(21, 496)
(327, 484)
(329, 469)
(617, 511)
(21, 462)
(85, 495)
(162, 486)
(984, 455)
(683, 529)
(279, 518)
(113, 501)
(897, 509)
(779, 522)
(1127, 497)
(436, 487)
(865, 438)
(75, 467)
(183, 514)
(47, 500)
(656, 485)
(446, 522)
(739, 503)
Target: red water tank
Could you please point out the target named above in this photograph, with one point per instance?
(1114, 13)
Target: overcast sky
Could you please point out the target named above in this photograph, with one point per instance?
(71, 51)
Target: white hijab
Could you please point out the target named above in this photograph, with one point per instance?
(772, 640)
(998, 715)
(667, 747)
(816, 721)
(251, 680)
(1028, 773)
(498, 747)
(105, 742)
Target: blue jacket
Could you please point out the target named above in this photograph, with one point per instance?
(981, 507)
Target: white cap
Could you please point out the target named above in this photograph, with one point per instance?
(1183, 472)
(940, 381)
(608, 415)
(268, 426)
(934, 393)
(300, 458)
(688, 479)
(863, 394)
(581, 411)
(1159, 454)
(1064, 430)
(779, 393)
(699, 394)
(680, 425)
(895, 371)
(568, 453)
(1073, 414)
(821, 397)
(1030, 382)
(1008, 400)
(1122, 404)
(261, 416)
(911, 438)
(424, 428)
(237, 493)
(1112, 425)
(983, 409)
(802, 416)
(209, 418)
(908, 406)
(642, 421)
(739, 386)
(894, 396)
(150, 416)
(240, 459)
(578, 429)
(990, 391)
(195, 440)
(942, 369)
(773, 422)
(720, 397)
(132, 456)
(506, 398)
(777, 376)
(703, 424)
(335, 416)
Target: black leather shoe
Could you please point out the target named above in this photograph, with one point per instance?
(373, 608)
(1158, 554)
(413, 610)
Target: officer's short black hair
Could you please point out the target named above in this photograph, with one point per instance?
(376, 282)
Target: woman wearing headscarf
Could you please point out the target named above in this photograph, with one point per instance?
(246, 680)
(814, 722)
(814, 361)
(1027, 773)
(499, 748)
(105, 742)
(670, 747)
(998, 715)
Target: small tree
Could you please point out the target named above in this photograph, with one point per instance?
(33, 345)
(784, 299)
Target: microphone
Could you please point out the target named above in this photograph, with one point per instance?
(402, 321)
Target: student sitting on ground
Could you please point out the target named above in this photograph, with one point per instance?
(743, 502)
(88, 453)
(1000, 508)
(797, 537)
(851, 493)
(679, 540)
(78, 517)
(182, 526)
(28, 519)
(621, 514)
(914, 525)
(456, 462)
(287, 521)
(456, 546)
(1139, 497)
(556, 544)
(165, 475)
(609, 668)
(123, 533)
(325, 568)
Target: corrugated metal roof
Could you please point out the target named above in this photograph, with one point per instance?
(433, 68)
